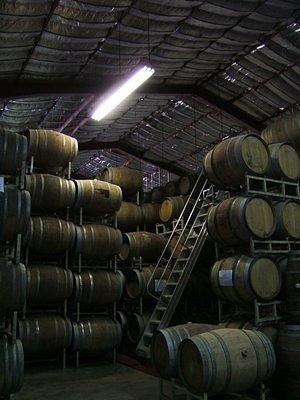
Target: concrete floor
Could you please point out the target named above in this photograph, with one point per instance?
(104, 382)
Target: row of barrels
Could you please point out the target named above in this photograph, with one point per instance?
(231, 357)
(236, 219)
(228, 162)
(50, 150)
(180, 187)
(50, 235)
(47, 335)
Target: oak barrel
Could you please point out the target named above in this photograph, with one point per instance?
(12, 286)
(171, 188)
(292, 287)
(135, 327)
(285, 162)
(150, 213)
(15, 206)
(129, 217)
(165, 344)
(143, 244)
(287, 219)
(99, 287)
(285, 128)
(51, 149)
(13, 153)
(48, 284)
(130, 180)
(158, 194)
(171, 208)
(228, 162)
(50, 193)
(225, 361)
(242, 279)
(136, 280)
(238, 218)
(96, 335)
(98, 241)
(11, 366)
(186, 184)
(49, 235)
(45, 335)
(96, 197)
(288, 365)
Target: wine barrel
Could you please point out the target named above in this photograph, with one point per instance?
(129, 217)
(241, 279)
(171, 208)
(136, 281)
(11, 365)
(96, 197)
(122, 319)
(150, 213)
(13, 153)
(12, 286)
(228, 162)
(15, 208)
(147, 245)
(238, 218)
(171, 188)
(98, 241)
(45, 335)
(285, 162)
(288, 365)
(130, 180)
(50, 193)
(186, 184)
(158, 194)
(285, 128)
(287, 219)
(99, 287)
(225, 361)
(51, 149)
(96, 335)
(292, 287)
(165, 344)
(47, 235)
(48, 284)
(136, 325)
(245, 322)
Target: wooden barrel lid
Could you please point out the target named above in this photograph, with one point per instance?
(291, 218)
(255, 154)
(124, 252)
(260, 218)
(265, 278)
(166, 210)
(160, 353)
(179, 247)
(289, 161)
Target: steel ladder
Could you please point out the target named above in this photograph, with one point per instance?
(177, 271)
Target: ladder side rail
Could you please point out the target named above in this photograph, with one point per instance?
(194, 207)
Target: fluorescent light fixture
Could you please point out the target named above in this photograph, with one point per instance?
(136, 80)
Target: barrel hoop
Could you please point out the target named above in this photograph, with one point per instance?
(229, 219)
(246, 277)
(258, 359)
(204, 347)
(227, 358)
(269, 353)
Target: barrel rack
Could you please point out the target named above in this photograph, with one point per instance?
(62, 309)
(79, 265)
(12, 250)
(177, 392)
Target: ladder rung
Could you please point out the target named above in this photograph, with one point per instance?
(148, 334)
(181, 259)
(155, 321)
(171, 284)
(161, 308)
(179, 271)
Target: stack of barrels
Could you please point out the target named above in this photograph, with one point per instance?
(44, 328)
(212, 359)
(15, 214)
